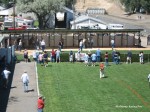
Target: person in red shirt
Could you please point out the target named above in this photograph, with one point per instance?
(40, 103)
(101, 70)
(53, 56)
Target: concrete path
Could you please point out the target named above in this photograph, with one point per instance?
(18, 100)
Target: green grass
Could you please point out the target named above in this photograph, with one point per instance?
(77, 88)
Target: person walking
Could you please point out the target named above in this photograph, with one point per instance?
(40, 103)
(5, 75)
(25, 80)
(101, 70)
(25, 55)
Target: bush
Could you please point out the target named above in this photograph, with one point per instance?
(65, 57)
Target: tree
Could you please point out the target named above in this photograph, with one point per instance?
(146, 5)
(131, 5)
(41, 8)
(136, 5)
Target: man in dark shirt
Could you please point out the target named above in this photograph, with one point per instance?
(129, 56)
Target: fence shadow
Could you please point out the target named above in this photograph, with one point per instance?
(4, 93)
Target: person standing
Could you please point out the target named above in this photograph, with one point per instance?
(40, 58)
(53, 55)
(98, 55)
(119, 58)
(81, 45)
(139, 42)
(106, 59)
(141, 56)
(5, 74)
(40, 103)
(101, 70)
(20, 45)
(15, 45)
(60, 45)
(86, 60)
(25, 80)
(34, 56)
(71, 56)
(45, 58)
(43, 45)
(93, 56)
(113, 55)
(89, 57)
(129, 57)
(37, 43)
(112, 44)
(116, 57)
(58, 56)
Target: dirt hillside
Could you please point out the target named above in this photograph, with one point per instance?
(112, 7)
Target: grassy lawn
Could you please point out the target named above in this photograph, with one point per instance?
(77, 88)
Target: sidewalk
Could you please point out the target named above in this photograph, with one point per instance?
(19, 101)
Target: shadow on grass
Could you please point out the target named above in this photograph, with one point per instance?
(105, 77)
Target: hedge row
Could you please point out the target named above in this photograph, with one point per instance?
(123, 57)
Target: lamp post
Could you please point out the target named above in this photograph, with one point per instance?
(14, 25)
(14, 13)
(73, 7)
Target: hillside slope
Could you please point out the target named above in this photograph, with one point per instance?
(112, 7)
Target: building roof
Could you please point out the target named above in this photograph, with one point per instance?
(84, 18)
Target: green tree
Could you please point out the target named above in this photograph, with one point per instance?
(146, 5)
(131, 5)
(136, 5)
(41, 8)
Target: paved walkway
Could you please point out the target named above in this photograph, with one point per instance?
(18, 100)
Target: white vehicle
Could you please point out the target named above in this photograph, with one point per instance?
(90, 26)
(115, 26)
(19, 22)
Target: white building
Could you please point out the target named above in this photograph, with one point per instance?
(86, 22)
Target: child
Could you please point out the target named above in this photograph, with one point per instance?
(101, 70)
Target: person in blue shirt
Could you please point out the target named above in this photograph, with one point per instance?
(93, 59)
(98, 55)
(86, 60)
